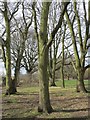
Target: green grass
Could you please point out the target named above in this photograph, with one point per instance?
(29, 89)
(69, 83)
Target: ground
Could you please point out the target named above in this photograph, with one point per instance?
(66, 102)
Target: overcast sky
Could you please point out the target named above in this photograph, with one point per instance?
(2, 69)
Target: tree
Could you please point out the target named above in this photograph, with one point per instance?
(43, 47)
(30, 57)
(9, 83)
(82, 41)
(62, 61)
(53, 48)
(22, 32)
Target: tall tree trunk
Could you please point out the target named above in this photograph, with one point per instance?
(8, 68)
(54, 52)
(9, 85)
(79, 63)
(62, 63)
(44, 98)
(43, 45)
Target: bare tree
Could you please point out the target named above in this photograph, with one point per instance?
(43, 47)
(8, 15)
(30, 56)
(22, 28)
(81, 40)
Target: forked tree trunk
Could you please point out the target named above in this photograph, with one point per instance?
(43, 45)
(44, 99)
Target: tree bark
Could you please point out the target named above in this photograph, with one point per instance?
(53, 72)
(43, 46)
(16, 75)
(80, 81)
(62, 76)
(9, 84)
(50, 62)
(44, 101)
(53, 66)
(62, 62)
(80, 61)
(44, 98)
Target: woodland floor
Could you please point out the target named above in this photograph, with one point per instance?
(65, 101)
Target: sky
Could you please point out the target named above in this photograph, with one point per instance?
(3, 71)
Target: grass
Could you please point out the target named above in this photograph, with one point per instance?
(29, 89)
(69, 83)
(66, 102)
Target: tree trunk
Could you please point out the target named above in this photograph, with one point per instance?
(62, 77)
(17, 70)
(80, 82)
(68, 77)
(9, 83)
(44, 101)
(50, 63)
(4, 56)
(16, 78)
(62, 62)
(18, 62)
(53, 72)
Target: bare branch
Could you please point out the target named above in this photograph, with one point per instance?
(79, 27)
(23, 14)
(35, 20)
(14, 11)
(58, 24)
(88, 66)
(88, 46)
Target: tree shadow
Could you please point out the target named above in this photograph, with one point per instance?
(25, 93)
(35, 118)
(71, 110)
(71, 101)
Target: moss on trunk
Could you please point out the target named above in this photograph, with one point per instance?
(9, 84)
(44, 98)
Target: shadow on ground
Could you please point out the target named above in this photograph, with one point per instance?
(34, 118)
